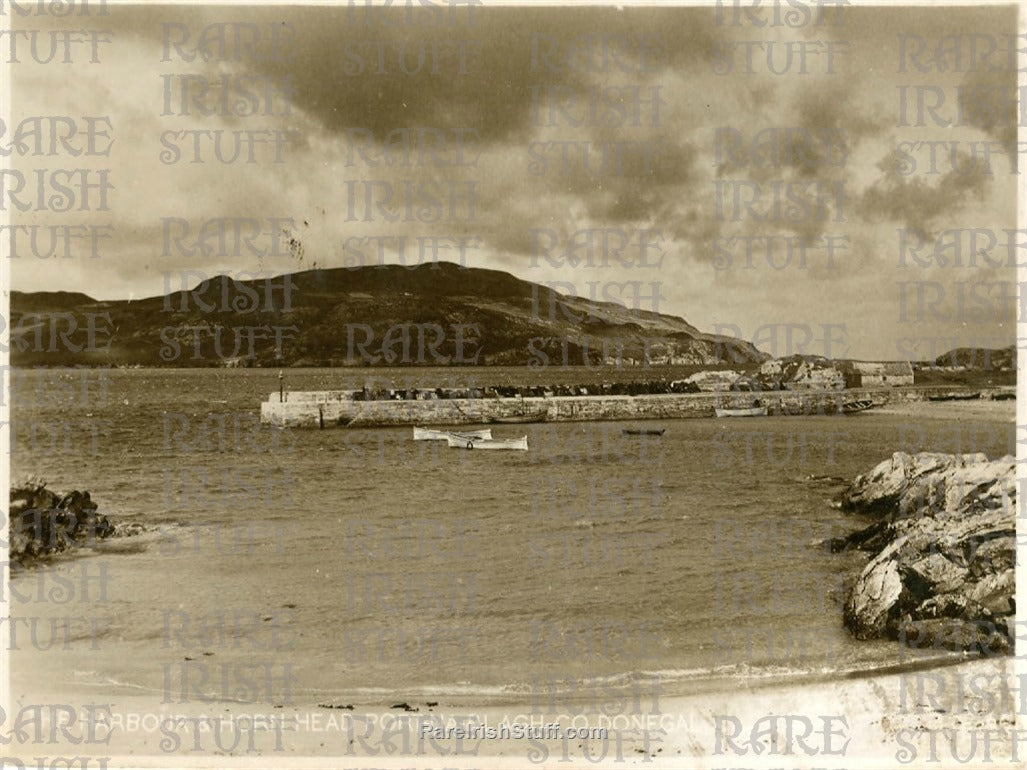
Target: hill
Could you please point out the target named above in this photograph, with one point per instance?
(50, 301)
(438, 314)
(979, 358)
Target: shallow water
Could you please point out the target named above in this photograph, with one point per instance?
(360, 564)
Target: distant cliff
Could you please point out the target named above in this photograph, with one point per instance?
(438, 314)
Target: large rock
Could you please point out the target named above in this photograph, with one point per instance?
(801, 371)
(869, 608)
(931, 482)
(713, 381)
(943, 573)
(43, 523)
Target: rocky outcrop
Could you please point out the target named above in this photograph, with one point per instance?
(44, 523)
(713, 381)
(943, 571)
(800, 371)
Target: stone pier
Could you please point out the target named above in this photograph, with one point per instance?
(327, 409)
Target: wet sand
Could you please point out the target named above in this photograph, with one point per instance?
(885, 720)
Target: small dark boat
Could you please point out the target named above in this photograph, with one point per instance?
(1003, 397)
(643, 431)
(855, 407)
(955, 397)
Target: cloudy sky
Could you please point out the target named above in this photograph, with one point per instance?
(499, 107)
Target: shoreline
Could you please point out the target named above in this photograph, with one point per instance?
(629, 685)
(879, 718)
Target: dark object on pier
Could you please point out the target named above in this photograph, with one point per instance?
(681, 386)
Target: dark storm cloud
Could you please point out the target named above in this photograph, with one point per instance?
(472, 68)
(624, 179)
(833, 125)
(917, 204)
(988, 100)
(800, 142)
(811, 136)
(509, 56)
(686, 219)
(629, 200)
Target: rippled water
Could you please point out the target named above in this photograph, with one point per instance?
(358, 563)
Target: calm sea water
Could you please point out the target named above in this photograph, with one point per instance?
(358, 564)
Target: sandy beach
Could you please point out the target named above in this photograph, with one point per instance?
(920, 717)
(951, 410)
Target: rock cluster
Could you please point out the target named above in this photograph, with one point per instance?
(43, 522)
(800, 371)
(943, 571)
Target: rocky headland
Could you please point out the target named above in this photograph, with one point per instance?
(942, 574)
(432, 314)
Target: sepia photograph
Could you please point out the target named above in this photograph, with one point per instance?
(728, 289)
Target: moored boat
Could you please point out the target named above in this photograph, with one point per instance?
(519, 419)
(753, 411)
(854, 407)
(457, 442)
(429, 434)
(643, 431)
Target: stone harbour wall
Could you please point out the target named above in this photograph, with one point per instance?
(326, 409)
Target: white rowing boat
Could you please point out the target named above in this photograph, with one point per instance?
(427, 434)
(460, 442)
(755, 411)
